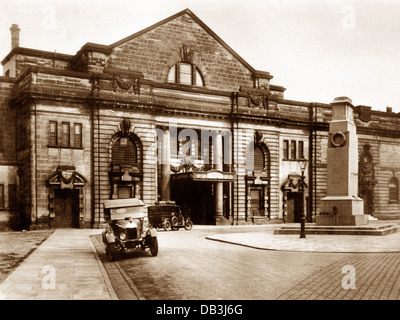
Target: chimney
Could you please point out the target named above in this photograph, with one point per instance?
(14, 36)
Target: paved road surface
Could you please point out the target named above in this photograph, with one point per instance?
(191, 267)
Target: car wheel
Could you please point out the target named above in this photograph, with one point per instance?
(188, 225)
(167, 225)
(111, 252)
(154, 246)
(174, 221)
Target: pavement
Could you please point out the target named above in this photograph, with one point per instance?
(70, 264)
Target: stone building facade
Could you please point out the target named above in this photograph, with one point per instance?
(171, 113)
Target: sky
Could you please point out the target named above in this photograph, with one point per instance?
(316, 49)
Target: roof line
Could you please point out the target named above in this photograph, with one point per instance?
(200, 22)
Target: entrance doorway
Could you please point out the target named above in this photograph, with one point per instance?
(294, 200)
(257, 201)
(66, 208)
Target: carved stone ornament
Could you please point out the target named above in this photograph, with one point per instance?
(257, 100)
(186, 53)
(337, 139)
(125, 126)
(258, 136)
(126, 84)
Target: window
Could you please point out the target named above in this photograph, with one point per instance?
(53, 133)
(2, 197)
(293, 150)
(2, 148)
(259, 160)
(301, 150)
(393, 190)
(124, 152)
(12, 196)
(185, 73)
(285, 149)
(77, 135)
(65, 134)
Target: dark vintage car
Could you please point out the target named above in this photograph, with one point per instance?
(128, 228)
(167, 215)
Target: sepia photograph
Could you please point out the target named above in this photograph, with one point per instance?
(199, 158)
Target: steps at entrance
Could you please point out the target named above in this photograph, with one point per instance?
(367, 230)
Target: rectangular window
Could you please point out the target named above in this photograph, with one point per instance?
(53, 134)
(301, 150)
(12, 196)
(65, 134)
(2, 197)
(78, 135)
(292, 150)
(285, 149)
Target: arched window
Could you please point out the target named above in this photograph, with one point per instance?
(257, 160)
(185, 73)
(124, 152)
(393, 190)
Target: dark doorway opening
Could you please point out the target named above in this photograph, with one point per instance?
(196, 199)
(294, 207)
(66, 208)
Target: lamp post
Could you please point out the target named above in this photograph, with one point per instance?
(302, 164)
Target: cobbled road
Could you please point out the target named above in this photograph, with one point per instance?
(190, 267)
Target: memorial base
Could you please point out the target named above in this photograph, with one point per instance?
(338, 220)
(342, 211)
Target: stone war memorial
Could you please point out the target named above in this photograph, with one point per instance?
(342, 206)
(342, 209)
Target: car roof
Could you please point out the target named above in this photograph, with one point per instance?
(118, 203)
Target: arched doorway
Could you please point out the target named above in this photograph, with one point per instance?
(258, 181)
(126, 164)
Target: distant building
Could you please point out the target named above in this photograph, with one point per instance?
(170, 113)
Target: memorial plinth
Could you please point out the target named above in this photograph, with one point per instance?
(342, 206)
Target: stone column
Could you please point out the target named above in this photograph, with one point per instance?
(165, 165)
(342, 206)
(219, 187)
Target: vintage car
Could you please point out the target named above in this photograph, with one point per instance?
(127, 228)
(167, 215)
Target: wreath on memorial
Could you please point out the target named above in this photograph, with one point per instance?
(338, 139)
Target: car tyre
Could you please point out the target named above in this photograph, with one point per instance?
(167, 225)
(174, 221)
(153, 246)
(188, 225)
(111, 252)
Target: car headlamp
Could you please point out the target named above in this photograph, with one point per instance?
(122, 235)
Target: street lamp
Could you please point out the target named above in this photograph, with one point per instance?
(302, 164)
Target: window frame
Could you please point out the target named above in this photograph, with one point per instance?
(293, 150)
(285, 150)
(174, 75)
(53, 136)
(393, 190)
(12, 196)
(66, 144)
(78, 137)
(2, 199)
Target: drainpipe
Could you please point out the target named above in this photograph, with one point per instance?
(91, 105)
(310, 162)
(36, 166)
(235, 163)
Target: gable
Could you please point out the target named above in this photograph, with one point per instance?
(155, 50)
